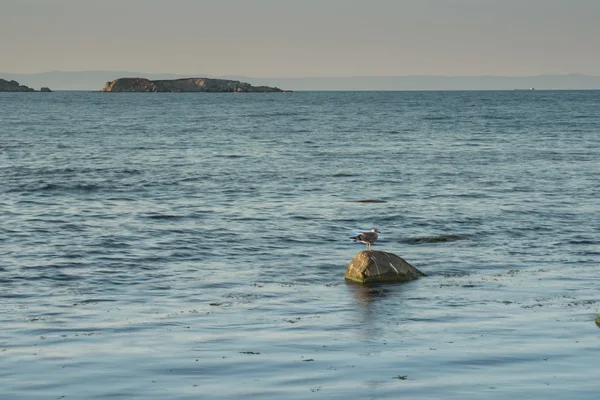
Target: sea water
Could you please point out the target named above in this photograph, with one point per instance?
(193, 245)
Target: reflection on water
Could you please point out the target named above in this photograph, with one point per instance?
(381, 308)
(365, 294)
(369, 317)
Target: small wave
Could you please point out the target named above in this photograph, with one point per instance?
(93, 301)
(271, 114)
(583, 242)
(130, 172)
(302, 217)
(497, 117)
(585, 116)
(436, 118)
(164, 217)
(231, 156)
(370, 201)
(59, 277)
(57, 187)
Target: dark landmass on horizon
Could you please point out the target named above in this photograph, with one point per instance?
(93, 80)
(14, 86)
(185, 85)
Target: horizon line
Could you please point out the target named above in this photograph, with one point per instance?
(306, 77)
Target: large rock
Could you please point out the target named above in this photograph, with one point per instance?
(130, 85)
(13, 86)
(379, 266)
(183, 85)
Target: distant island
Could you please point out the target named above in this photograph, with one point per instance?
(94, 80)
(184, 85)
(14, 86)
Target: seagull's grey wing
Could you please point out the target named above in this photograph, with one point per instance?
(370, 237)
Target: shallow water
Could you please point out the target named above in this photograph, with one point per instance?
(190, 246)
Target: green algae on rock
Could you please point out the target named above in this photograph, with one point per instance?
(598, 320)
(379, 267)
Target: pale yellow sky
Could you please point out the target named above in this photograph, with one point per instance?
(285, 38)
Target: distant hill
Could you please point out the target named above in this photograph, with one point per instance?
(13, 86)
(95, 80)
(185, 85)
(79, 80)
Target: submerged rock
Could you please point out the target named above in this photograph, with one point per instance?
(380, 266)
(435, 239)
(183, 85)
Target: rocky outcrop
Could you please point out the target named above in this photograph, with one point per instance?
(130, 85)
(380, 266)
(183, 85)
(13, 86)
(45, 89)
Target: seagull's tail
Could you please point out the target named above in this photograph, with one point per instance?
(354, 238)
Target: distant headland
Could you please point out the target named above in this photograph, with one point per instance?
(185, 85)
(14, 86)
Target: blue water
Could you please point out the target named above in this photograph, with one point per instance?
(186, 246)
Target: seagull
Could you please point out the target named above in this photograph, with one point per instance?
(367, 238)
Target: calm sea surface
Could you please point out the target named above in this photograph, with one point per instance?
(190, 246)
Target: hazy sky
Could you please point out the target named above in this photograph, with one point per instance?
(285, 38)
